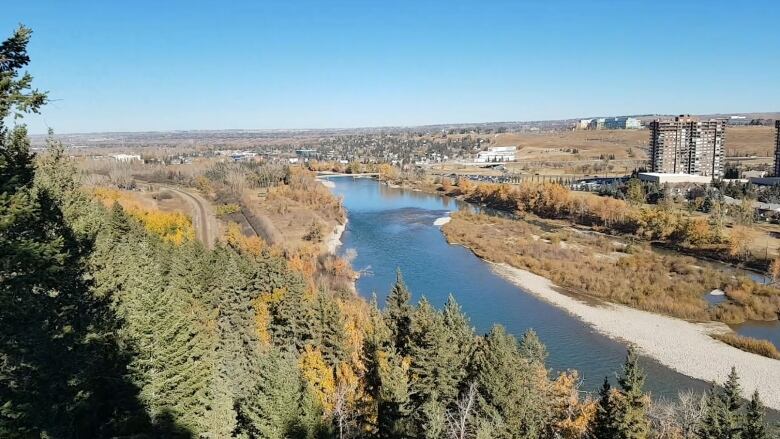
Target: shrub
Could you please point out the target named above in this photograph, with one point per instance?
(227, 209)
(314, 234)
(749, 344)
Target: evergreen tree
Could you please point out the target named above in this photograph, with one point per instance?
(532, 348)
(62, 373)
(460, 335)
(434, 419)
(754, 426)
(275, 408)
(714, 423)
(732, 400)
(398, 314)
(511, 394)
(604, 424)
(328, 329)
(633, 403)
(393, 407)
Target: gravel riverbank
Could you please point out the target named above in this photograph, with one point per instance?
(678, 344)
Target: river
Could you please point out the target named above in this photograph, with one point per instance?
(393, 228)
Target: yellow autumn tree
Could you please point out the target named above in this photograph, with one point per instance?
(571, 416)
(356, 320)
(320, 380)
(740, 239)
(262, 307)
(173, 227)
(253, 245)
(697, 232)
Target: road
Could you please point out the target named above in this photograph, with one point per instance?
(203, 219)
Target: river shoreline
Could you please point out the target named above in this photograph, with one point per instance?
(334, 239)
(678, 344)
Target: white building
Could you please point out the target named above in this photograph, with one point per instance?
(583, 124)
(497, 154)
(661, 178)
(126, 157)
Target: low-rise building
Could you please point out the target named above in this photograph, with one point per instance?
(596, 124)
(127, 157)
(583, 124)
(497, 154)
(661, 178)
(622, 123)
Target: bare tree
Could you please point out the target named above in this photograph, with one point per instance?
(459, 423)
(342, 407)
(664, 420)
(678, 419)
(690, 412)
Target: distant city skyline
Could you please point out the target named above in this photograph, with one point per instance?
(298, 65)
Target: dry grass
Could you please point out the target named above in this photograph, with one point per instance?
(740, 141)
(583, 152)
(749, 344)
(596, 265)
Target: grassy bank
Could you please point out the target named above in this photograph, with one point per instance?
(749, 344)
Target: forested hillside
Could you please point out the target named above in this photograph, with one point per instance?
(108, 328)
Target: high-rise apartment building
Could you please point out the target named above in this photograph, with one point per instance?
(687, 145)
(777, 148)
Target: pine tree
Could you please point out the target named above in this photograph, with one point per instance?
(754, 426)
(511, 394)
(434, 419)
(532, 348)
(633, 403)
(460, 335)
(439, 352)
(377, 345)
(328, 329)
(732, 400)
(393, 402)
(274, 409)
(604, 424)
(713, 424)
(398, 314)
(62, 373)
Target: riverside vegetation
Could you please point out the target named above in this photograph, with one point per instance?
(543, 240)
(111, 329)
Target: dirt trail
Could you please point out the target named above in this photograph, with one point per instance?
(203, 219)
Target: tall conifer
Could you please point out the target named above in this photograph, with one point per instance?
(398, 314)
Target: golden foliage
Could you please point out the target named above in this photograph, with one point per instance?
(592, 265)
(261, 305)
(698, 232)
(387, 172)
(319, 378)
(173, 227)
(571, 415)
(356, 323)
(253, 245)
(774, 269)
(740, 239)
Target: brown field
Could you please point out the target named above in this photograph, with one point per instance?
(582, 153)
(740, 142)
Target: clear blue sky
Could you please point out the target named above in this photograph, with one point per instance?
(165, 65)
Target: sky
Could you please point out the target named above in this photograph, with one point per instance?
(178, 65)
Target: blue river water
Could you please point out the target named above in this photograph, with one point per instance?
(393, 228)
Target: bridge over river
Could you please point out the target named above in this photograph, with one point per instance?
(335, 174)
